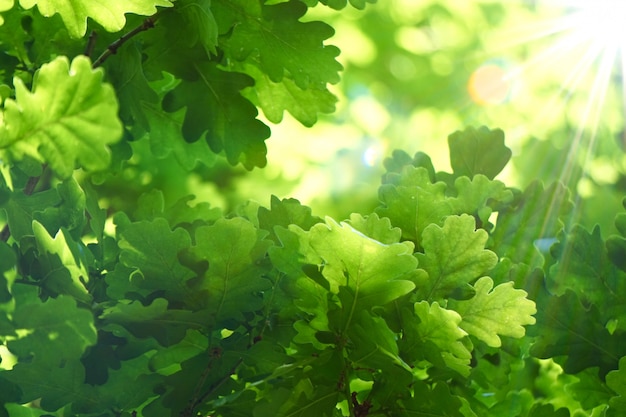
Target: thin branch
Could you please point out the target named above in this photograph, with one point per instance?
(91, 43)
(112, 48)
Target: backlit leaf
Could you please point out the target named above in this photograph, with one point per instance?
(454, 256)
(110, 14)
(494, 312)
(69, 118)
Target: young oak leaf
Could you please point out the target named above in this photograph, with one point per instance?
(431, 324)
(479, 196)
(454, 255)
(109, 14)
(478, 151)
(412, 202)
(235, 280)
(70, 117)
(151, 248)
(536, 214)
(217, 111)
(369, 272)
(276, 97)
(575, 335)
(167, 326)
(494, 312)
(583, 266)
(616, 380)
(64, 273)
(375, 227)
(275, 38)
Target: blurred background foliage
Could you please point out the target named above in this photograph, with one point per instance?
(415, 71)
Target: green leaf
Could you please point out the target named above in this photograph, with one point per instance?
(616, 244)
(432, 332)
(21, 209)
(575, 335)
(56, 333)
(589, 390)
(616, 380)
(151, 249)
(535, 215)
(194, 343)
(412, 202)
(69, 213)
(370, 272)
(583, 266)
(274, 38)
(454, 256)
(479, 196)
(115, 393)
(284, 213)
(232, 285)
(478, 151)
(166, 139)
(495, 312)
(70, 117)
(431, 401)
(134, 92)
(377, 228)
(109, 15)
(275, 98)
(7, 263)
(64, 269)
(374, 345)
(217, 111)
(167, 326)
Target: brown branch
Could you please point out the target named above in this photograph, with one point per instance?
(91, 43)
(112, 48)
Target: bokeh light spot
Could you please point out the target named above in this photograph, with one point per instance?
(490, 84)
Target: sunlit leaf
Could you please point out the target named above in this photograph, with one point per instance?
(110, 15)
(454, 256)
(494, 312)
(478, 151)
(69, 118)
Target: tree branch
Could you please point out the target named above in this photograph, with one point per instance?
(112, 48)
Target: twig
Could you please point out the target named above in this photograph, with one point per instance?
(91, 43)
(112, 48)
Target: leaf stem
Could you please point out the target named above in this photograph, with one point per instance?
(148, 23)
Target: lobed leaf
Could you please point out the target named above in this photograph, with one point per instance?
(69, 118)
(583, 266)
(478, 151)
(412, 202)
(370, 272)
(432, 332)
(274, 38)
(235, 278)
(534, 215)
(217, 111)
(150, 249)
(616, 380)
(276, 97)
(64, 270)
(454, 256)
(574, 334)
(494, 312)
(109, 14)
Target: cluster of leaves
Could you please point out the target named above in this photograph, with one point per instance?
(412, 309)
(173, 308)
